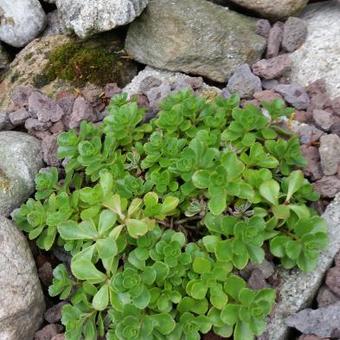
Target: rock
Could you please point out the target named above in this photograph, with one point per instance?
(82, 110)
(326, 297)
(4, 58)
(309, 337)
(57, 127)
(66, 102)
(59, 337)
(294, 34)
(320, 101)
(303, 116)
(337, 259)
(20, 95)
(319, 55)
(210, 43)
(323, 119)
(43, 108)
(22, 300)
(272, 68)
(20, 162)
(55, 25)
(5, 123)
(27, 67)
(294, 95)
(336, 105)
(21, 21)
(328, 186)
(298, 289)
(269, 84)
(37, 125)
(45, 273)
(156, 94)
(330, 153)
(333, 280)
(309, 134)
(111, 90)
(273, 9)
(49, 148)
(19, 117)
(244, 82)
(263, 27)
(48, 332)
(267, 96)
(335, 128)
(43, 64)
(317, 87)
(274, 40)
(151, 78)
(312, 156)
(53, 314)
(86, 17)
(257, 280)
(322, 321)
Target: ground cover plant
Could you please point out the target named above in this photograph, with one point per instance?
(159, 216)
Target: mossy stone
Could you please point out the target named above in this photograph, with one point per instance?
(98, 60)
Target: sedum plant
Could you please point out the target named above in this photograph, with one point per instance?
(159, 216)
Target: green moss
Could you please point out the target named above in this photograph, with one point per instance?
(85, 61)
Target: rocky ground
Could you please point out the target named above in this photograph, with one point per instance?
(64, 65)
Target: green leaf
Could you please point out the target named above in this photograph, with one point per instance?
(107, 220)
(229, 314)
(136, 228)
(84, 269)
(101, 299)
(218, 201)
(165, 324)
(270, 191)
(295, 182)
(199, 290)
(243, 332)
(169, 204)
(70, 230)
(201, 265)
(224, 250)
(233, 285)
(200, 179)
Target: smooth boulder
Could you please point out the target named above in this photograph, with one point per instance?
(318, 57)
(273, 9)
(21, 160)
(22, 300)
(194, 36)
(21, 21)
(87, 17)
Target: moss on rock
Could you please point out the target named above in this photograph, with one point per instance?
(97, 60)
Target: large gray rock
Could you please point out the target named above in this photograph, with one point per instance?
(21, 21)
(21, 299)
(87, 17)
(194, 36)
(273, 9)
(20, 161)
(319, 56)
(323, 321)
(297, 289)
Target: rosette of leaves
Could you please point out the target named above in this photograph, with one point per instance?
(248, 311)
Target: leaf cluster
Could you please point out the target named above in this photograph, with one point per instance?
(159, 216)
